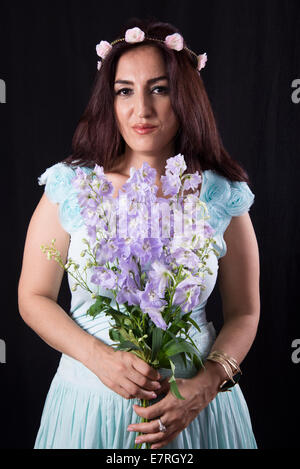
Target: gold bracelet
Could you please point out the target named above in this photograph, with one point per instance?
(229, 364)
(224, 357)
(225, 365)
(231, 361)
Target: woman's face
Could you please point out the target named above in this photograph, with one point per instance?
(142, 100)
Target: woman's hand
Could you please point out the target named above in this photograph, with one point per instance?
(123, 372)
(177, 414)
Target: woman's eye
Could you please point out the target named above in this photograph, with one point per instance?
(122, 89)
(162, 88)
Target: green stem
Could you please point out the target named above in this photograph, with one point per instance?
(144, 403)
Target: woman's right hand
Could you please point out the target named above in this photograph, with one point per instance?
(124, 372)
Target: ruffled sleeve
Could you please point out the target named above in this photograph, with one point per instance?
(240, 199)
(224, 199)
(59, 189)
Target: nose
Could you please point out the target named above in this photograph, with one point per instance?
(143, 104)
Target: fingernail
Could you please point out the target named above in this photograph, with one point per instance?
(137, 440)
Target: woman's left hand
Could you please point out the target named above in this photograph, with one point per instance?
(176, 414)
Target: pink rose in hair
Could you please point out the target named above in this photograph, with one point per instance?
(134, 35)
(103, 49)
(174, 41)
(201, 61)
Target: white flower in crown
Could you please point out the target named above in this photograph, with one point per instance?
(202, 58)
(103, 48)
(134, 35)
(174, 41)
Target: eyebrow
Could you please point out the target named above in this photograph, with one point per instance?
(151, 80)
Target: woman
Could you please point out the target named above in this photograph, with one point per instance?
(144, 79)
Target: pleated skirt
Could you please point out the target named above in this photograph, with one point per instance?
(80, 412)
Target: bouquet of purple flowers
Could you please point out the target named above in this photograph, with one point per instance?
(150, 253)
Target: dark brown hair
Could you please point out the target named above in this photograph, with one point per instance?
(97, 139)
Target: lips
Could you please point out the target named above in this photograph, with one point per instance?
(142, 127)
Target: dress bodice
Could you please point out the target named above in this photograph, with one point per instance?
(224, 199)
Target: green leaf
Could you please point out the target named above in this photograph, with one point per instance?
(173, 384)
(176, 326)
(184, 358)
(186, 316)
(163, 361)
(197, 361)
(118, 317)
(126, 344)
(128, 322)
(139, 354)
(96, 308)
(181, 345)
(175, 391)
(173, 371)
(114, 335)
(166, 338)
(157, 336)
(194, 324)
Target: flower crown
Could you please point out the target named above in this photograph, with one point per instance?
(133, 35)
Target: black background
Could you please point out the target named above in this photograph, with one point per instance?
(48, 61)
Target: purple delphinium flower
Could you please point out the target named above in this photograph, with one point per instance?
(148, 173)
(129, 270)
(152, 304)
(81, 179)
(192, 181)
(129, 295)
(156, 317)
(91, 232)
(106, 251)
(104, 277)
(105, 188)
(170, 184)
(208, 230)
(99, 171)
(135, 187)
(160, 277)
(147, 249)
(186, 257)
(187, 293)
(176, 164)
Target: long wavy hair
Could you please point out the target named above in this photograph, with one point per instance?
(97, 139)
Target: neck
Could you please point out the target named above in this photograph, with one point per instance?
(136, 159)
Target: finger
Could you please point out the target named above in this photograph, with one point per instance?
(156, 437)
(164, 442)
(145, 369)
(125, 388)
(135, 391)
(142, 381)
(165, 387)
(153, 411)
(145, 427)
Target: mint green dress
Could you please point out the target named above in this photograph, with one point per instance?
(80, 412)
